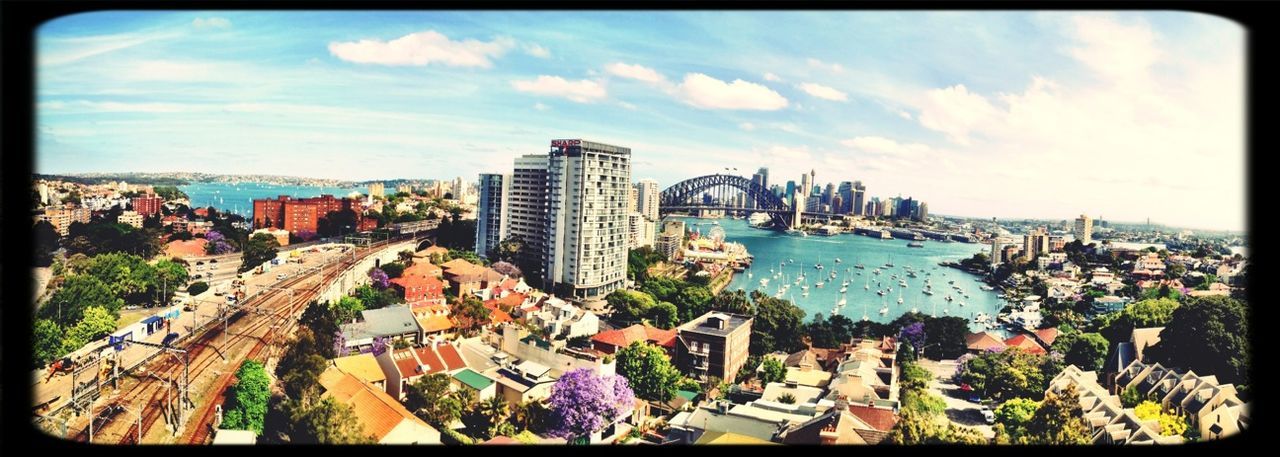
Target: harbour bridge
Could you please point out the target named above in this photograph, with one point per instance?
(719, 192)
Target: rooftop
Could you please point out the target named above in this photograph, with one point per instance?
(392, 320)
(707, 323)
(362, 366)
(472, 379)
(376, 411)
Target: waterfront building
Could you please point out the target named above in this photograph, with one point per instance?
(806, 183)
(791, 193)
(59, 218)
(761, 178)
(1035, 243)
(640, 231)
(813, 204)
(713, 345)
(845, 192)
(838, 205)
(671, 239)
(1083, 229)
(490, 218)
(377, 189)
(586, 251)
(406, 188)
(924, 211)
(1057, 243)
(858, 193)
(297, 215)
(829, 193)
(148, 204)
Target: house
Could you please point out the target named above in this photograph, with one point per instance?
(1216, 288)
(1214, 408)
(982, 342)
(1108, 304)
(554, 354)
(688, 427)
(800, 394)
(1108, 421)
(1101, 276)
(419, 289)
(433, 318)
(713, 345)
(730, 438)
(364, 367)
(465, 278)
(1046, 336)
(1026, 344)
(836, 426)
(819, 358)
(1143, 338)
(424, 269)
(235, 437)
(563, 320)
(522, 382)
(404, 366)
(806, 368)
(610, 341)
(194, 247)
(394, 322)
(867, 375)
(381, 416)
(483, 387)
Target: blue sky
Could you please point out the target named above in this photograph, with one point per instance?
(1011, 114)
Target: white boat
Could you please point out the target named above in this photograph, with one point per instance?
(842, 301)
(884, 310)
(876, 271)
(844, 289)
(764, 282)
(988, 288)
(818, 284)
(804, 287)
(946, 311)
(837, 260)
(899, 300)
(881, 292)
(902, 283)
(927, 292)
(804, 294)
(961, 303)
(915, 310)
(949, 298)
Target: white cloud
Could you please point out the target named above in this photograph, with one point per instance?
(834, 67)
(904, 115)
(747, 126)
(541, 107)
(627, 106)
(581, 91)
(771, 77)
(824, 92)
(884, 146)
(537, 50)
(638, 72)
(955, 111)
(84, 106)
(706, 92)
(1120, 53)
(211, 23)
(423, 48)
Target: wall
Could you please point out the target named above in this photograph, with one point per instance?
(358, 275)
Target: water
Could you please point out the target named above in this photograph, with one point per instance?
(773, 248)
(238, 198)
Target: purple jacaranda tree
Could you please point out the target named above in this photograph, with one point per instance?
(962, 365)
(380, 345)
(506, 268)
(379, 278)
(583, 402)
(305, 235)
(913, 334)
(217, 243)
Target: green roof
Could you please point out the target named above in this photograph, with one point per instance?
(475, 380)
(687, 395)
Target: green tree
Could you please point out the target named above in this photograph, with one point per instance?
(300, 367)
(1059, 420)
(372, 298)
(46, 241)
(648, 371)
(1130, 397)
(496, 412)
(66, 306)
(1207, 335)
(96, 323)
(1088, 351)
(664, 315)
(629, 305)
(777, 325)
(248, 399)
(46, 342)
(171, 277)
(429, 399)
(328, 422)
(347, 309)
(260, 248)
(197, 288)
(393, 269)
(1170, 424)
(923, 401)
(914, 377)
(773, 371)
(1015, 415)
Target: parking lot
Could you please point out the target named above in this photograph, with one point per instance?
(960, 410)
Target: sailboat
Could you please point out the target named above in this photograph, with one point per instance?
(842, 301)
(864, 312)
(866, 285)
(837, 260)
(884, 309)
(889, 264)
(899, 296)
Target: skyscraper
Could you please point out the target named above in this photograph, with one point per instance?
(828, 193)
(586, 249)
(491, 223)
(526, 212)
(377, 189)
(806, 184)
(1083, 230)
(924, 211)
(633, 197)
(858, 191)
(761, 178)
(647, 195)
(845, 191)
(791, 193)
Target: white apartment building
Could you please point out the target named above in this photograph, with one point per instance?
(647, 196)
(563, 320)
(586, 249)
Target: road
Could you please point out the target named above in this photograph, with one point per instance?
(256, 330)
(960, 410)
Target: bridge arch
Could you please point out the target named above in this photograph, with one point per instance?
(687, 195)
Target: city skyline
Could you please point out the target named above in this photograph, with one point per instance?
(942, 107)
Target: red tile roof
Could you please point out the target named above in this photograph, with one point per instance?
(982, 341)
(621, 338)
(429, 358)
(452, 359)
(1025, 343)
(406, 363)
(879, 418)
(502, 440)
(1047, 335)
(421, 268)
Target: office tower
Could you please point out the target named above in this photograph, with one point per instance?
(806, 183)
(1083, 230)
(828, 193)
(586, 250)
(791, 193)
(761, 178)
(490, 218)
(924, 211)
(526, 212)
(1035, 243)
(837, 204)
(845, 192)
(813, 204)
(858, 191)
(376, 189)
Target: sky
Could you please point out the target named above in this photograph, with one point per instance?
(1119, 115)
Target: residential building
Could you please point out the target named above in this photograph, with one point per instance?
(1214, 409)
(867, 374)
(364, 367)
(554, 354)
(647, 197)
(281, 235)
(671, 239)
(483, 386)
(1108, 421)
(838, 425)
(713, 345)
(396, 323)
(526, 211)
(147, 205)
(465, 277)
(130, 217)
(300, 214)
(419, 288)
(491, 221)
(978, 343)
(1083, 229)
(562, 320)
(1035, 243)
(404, 366)
(377, 189)
(59, 218)
(586, 250)
(611, 341)
(523, 382)
(1026, 344)
(380, 415)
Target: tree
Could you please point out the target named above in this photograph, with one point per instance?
(1088, 351)
(346, 309)
(664, 315)
(773, 371)
(1059, 420)
(914, 377)
(429, 399)
(648, 371)
(216, 243)
(197, 288)
(1014, 415)
(1207, 335)
(393, 269)
(1142, 314)
(583, 402)
(372, 298)
(1007, 374)
(630, 305)
(260, 248)
(1170, 424)
(336, 223)
(328, 422)
(300, 367)
(508, 250)
(46, 241)
(379, 278)
(471, 314)
(405, 257)
(46, 342)
(495, 410)
(913, 334)
(78, 292)
(248, 398)
(507, 269)
(1130, 397)
(777, 325)
(170, 276)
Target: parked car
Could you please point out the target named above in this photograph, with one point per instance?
(988, 415)
(281, 276)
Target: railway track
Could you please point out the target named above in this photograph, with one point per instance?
(272, 317)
